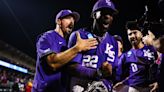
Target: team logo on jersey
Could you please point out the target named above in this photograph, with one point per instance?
(129, 53)
(110, 52)
(69, 11)
(44, 51)
(90, 35)
(108, 2)
(60, 42)
(149, 54)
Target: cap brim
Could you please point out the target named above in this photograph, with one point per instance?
(113, 11)
(75, 15)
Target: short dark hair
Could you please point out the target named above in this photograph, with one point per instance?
(161, 40)
(132, 25)
(118, 38)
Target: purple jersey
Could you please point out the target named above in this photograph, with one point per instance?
(161, 75)
(138, 66)
(46, 79)
(106, 50)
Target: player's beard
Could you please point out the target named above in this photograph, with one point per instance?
(135, 41)
(67, 29)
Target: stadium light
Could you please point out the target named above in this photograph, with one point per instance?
(14, 67)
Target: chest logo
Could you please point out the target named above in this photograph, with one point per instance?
(110, 52)
(148, 54)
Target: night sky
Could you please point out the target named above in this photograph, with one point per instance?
(22, 20)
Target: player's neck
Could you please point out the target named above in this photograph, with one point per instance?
(97, 32)
(59, 31)
(119, 53)
(139, 46)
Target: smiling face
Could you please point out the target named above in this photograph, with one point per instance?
(103, 20)
(134, 36)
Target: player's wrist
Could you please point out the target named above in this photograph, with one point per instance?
(76, 48)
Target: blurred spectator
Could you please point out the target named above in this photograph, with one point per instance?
(29, 85)
(15, 87)
(13, 81)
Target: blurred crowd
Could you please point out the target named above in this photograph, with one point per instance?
(12, 81)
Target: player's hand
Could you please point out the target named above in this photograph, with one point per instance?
(106, 69)
(85, 44)
(154, 87)
(118, 86)
(148, 39)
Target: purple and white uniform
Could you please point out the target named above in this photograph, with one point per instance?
(106, 50)
(139, 66)
(46, 79)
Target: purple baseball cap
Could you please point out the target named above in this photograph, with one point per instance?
(64, 13)
(107, 4)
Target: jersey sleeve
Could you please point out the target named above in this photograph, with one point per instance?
(153, 71)
(44, 47)
(116, 54)
(116, 51)
(71, 43)
(155, 53)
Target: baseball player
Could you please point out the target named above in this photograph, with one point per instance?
(150, 39)
(100, 59)
(52, 53)
(137, 66)
(120, 44)
(122, 88)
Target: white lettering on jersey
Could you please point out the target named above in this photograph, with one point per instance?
(110, 53)
(149, 54)
(134, 67)
(90, 61)
(129, 53)
(108, 2)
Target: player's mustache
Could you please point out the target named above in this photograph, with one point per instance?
(70, 26)
(133, 39)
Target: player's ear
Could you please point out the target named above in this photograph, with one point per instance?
(58, 21)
